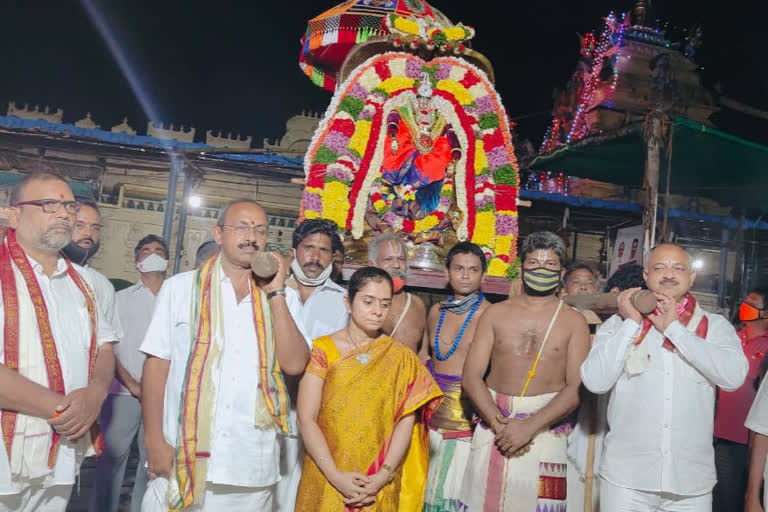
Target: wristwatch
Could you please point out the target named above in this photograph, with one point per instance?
(275, 293)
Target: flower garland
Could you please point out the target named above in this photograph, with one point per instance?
(343, 162)
(382, 196)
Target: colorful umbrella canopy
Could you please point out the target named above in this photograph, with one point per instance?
(331, 35)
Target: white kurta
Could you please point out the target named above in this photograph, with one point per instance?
(106, 298)
(241, 454)
(323, 313)
(70, 324)
(661, 420)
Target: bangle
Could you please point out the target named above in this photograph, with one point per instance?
(494, 421)
(389, 468)
(275, 293)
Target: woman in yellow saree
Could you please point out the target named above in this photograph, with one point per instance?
(358, 405)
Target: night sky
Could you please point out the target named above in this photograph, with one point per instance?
(234, 64)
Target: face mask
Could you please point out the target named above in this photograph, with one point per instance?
(152, 263)
(748, 312)
(541, 281)
(79, 255)
(298, 273)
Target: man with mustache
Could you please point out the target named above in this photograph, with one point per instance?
(213, 392)
(56, 355)
(121, 415)
(534, 346)
(406, 321)
(317, 305)
(662, 370)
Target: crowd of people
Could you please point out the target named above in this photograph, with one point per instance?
(305, 391)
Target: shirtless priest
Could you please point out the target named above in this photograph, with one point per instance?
(406, 320)
(451, 326)
(535, 346)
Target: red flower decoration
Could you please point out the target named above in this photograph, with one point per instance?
(491, 140)
(316, 176)
(382, 69)
(408, 225)
(506, 197)
(469, 79)
(344, 126)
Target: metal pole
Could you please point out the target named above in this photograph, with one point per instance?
(723, 269)
(183, 207)
(170, 199)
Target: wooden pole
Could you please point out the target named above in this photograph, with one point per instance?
(664, 234)
(589, 473)
(653, 137)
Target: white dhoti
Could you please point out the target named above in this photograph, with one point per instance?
(592, 421)
(36, 498)
(291, 458)
(614, 498)
(447, 464)
(533, 482)
(218, 498)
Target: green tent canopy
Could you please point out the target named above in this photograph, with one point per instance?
(705, 162)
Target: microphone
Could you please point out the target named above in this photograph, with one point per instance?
(643, 300)
(264, 265)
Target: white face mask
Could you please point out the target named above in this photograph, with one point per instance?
(152, 263)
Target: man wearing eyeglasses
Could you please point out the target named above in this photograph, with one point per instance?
(57, 359)
(213, 393)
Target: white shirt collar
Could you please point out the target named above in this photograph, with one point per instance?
(61, 266)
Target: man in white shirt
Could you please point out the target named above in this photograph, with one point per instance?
(85, 243)
(213, 394)
(317, 305)
(662, 370)
(121, 415)
(56, 355)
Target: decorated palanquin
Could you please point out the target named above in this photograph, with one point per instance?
(415, 141)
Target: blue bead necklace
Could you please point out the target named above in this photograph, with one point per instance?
(456, 342)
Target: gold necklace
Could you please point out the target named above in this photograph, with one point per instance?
(363, 357)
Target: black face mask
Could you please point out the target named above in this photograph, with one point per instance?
(79, 255)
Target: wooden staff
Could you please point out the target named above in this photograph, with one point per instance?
(589, 474)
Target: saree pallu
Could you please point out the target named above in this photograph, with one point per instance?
(360, 406)
(534, 482)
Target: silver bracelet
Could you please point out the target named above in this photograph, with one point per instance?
(275, 293)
